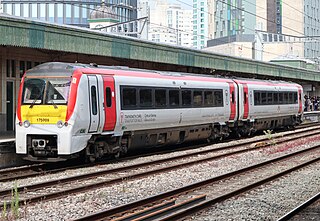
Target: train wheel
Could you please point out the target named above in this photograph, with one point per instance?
(90, 155)
(117, 155)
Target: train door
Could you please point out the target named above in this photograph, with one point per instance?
(245, 101)
(109, 103)
(300, 100)
(233, 101)
(94, 105)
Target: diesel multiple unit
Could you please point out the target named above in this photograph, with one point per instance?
(75, 110)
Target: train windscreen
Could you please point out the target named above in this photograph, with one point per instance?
(46, 91)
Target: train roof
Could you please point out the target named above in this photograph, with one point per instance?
(67, 69)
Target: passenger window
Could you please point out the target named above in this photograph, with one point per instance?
(94, 100)
(291, 98)
(281, 98)
(285, 98)
(269, 98)
(257, 98)
(160, 98)
(218, 98)
(186, 97)
(208, 98)
(108, 97)
(145, 97)
(275, 98)
(129, 97)
(197, 98)
(174, 98)
(263, 98)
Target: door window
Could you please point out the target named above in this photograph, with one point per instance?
(94, 100)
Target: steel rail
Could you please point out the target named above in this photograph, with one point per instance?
(147, 164)
(189, 188)
(299, 208)
(24, 189)
(34, 170)
(11, 174)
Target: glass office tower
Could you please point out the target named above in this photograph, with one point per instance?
(67, 12)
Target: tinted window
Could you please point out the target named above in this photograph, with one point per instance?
(186, 97)
(108, 96)
(145, 97)
(291, 98)
(275, 98)
(285, 98)
(174, 98)
(197, 98)
(129, 97)
(281, 98)
(208, 98)
(245, 97)
(94, 100)
(296, 98)
(218, 98)
(232, 97)
(269, 98)
(257, 99)
(263, 98)
(160, 97)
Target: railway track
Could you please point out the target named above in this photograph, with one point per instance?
(198, 196)
(57, 188)
(301, 212)
(42, 169)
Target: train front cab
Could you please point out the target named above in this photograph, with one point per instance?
(41, 116)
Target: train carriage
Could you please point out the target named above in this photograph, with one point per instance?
(75, 110)
(269, 104)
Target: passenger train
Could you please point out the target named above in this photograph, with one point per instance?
(75, 110)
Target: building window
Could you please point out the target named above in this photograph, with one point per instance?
(25, 10)
(34, 10)
(8, 8)
(22, 68)
(51, 12)
(43, 12)
(17, 9)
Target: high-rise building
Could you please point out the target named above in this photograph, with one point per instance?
(68, 12)
(169, 23)
(263, 29)
(202, 27)
(214, 19)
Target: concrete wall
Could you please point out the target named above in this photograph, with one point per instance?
(8, 157)
(238, 49)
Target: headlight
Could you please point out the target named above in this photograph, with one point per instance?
(60, 124)
(26, 123)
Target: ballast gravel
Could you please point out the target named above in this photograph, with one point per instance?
(270, 201)
(68, 173)
(75, 206)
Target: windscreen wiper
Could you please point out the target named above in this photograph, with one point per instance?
(54, 104)
(35, 100)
